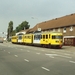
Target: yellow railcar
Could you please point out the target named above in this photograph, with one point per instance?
(28, 38)
(47, 39)
(51, 39)
(14, 39)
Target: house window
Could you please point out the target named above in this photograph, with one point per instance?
(64, 30)
(59, 30)
(53, 30)
(71, 28)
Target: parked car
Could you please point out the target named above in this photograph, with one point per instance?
(1, 40)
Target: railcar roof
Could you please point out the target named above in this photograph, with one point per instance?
(51, 32)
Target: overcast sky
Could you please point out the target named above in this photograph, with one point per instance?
(33, 11)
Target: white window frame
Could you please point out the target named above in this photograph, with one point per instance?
(71, 28)
(64, 30)
(53, 30)
(58, 29)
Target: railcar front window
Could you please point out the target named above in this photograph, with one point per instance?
(59, 37)
(39, 37)
(20, 37)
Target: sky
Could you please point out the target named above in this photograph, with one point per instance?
(32, 11)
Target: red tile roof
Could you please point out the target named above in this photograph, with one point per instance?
(56, 23)
(27, 30)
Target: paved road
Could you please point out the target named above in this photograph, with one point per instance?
(27, 60)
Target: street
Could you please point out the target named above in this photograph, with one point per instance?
(29, 60)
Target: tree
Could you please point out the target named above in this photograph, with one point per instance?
(13, 33)
(10, 29)
(11, 26)
(17, 29)
(24, 25)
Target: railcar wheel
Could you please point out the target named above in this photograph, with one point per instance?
(49, 46)
(60, 46)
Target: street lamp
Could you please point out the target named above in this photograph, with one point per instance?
(38, 29)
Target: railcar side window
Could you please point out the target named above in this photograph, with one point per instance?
(49, 35)
(28, 37)
(57, 37)
(53, 37)
(60, 37)
(46, 36)
(43, 36)
(14, 37)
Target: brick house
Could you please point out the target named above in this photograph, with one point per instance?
(65, 24)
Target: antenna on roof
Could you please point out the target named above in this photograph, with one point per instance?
(44, 21)
(55, 18)
(71, 14)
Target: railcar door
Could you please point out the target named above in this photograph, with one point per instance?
(45, 39)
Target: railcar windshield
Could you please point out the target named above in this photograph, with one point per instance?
(37, 37)
(19, 37)
(57, 37)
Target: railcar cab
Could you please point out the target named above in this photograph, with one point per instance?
(50, 39)
(14, 39)
(36, 38)
(57, 39)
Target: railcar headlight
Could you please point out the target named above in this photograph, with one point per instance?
(57, 41)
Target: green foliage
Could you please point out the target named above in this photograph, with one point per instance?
(10, 26)
(24, 25)
(10, 29)
(13, 32)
